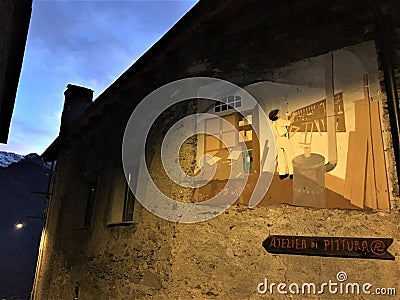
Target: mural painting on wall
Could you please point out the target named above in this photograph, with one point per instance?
(325, 115)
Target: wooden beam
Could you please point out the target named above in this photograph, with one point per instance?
(382, 189)
(359, 157)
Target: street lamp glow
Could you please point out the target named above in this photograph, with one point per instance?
(19, 225)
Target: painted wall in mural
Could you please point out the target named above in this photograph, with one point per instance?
(325, 115)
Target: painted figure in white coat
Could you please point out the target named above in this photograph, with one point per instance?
(284, 147)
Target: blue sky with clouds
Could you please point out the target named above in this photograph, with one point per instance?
(88, 43)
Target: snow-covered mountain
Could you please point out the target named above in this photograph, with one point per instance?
(7, 158)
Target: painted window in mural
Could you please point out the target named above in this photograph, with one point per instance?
(229, 102)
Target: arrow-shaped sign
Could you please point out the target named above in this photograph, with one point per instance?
(373, 248)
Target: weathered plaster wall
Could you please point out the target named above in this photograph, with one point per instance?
(224, 258)
(105, 261)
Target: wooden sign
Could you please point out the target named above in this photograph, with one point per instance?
(373, 248)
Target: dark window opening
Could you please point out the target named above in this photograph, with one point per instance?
(129, 203)
(90, 203)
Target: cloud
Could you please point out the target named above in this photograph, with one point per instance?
(52, 117)
(89, 43)
(22, 126)
(100, 39)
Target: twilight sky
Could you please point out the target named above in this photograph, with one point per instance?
(88, 43)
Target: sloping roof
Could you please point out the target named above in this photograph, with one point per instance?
(14, 23)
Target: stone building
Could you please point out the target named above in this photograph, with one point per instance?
(334, 64)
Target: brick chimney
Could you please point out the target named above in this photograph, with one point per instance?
(77, 100)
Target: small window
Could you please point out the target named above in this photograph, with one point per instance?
(90, 203)
(86, 202)
(227, 103)
(129, 203)
(122, 200)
